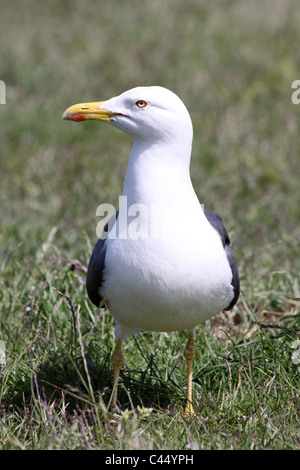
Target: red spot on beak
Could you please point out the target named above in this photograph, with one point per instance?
(76, 117)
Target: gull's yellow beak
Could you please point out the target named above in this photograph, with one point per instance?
(84, 111)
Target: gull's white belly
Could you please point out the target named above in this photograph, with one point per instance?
(166, 285)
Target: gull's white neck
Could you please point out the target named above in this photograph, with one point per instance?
(158, 172)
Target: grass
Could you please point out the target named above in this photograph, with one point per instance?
(233, 66)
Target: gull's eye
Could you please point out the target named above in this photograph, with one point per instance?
(141, 104)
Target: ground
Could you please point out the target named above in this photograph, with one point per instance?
(233, 65)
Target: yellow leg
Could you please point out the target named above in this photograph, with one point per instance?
(189, 354)
(117, 361)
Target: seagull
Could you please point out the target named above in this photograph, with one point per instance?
(162, 263)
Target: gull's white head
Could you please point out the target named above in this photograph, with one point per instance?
(148, 114)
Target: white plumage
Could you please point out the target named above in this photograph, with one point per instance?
(170, 267)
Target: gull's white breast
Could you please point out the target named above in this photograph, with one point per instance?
(168, 284)
(178, 279)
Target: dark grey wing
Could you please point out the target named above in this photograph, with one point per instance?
(216, 221)
(94, 277)
(95, 271)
